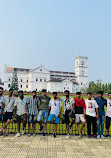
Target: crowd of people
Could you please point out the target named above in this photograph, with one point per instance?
(74, 110)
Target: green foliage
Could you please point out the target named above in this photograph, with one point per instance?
(98, 86)
(14, 83)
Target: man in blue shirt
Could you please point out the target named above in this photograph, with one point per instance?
(100, 121)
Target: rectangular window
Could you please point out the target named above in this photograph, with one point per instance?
(26, 86)
(20, 86)
(9, 85)
(40, 80)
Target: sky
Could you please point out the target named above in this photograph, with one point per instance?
(54, 32)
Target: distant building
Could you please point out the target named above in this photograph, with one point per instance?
(41, 78)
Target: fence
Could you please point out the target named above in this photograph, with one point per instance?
(61, 129)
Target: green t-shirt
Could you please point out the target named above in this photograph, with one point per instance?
(44, 103)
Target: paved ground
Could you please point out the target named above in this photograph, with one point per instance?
(48, 147)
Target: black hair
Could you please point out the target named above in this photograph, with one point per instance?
(100, 92)
(89, 93)
(78, 93)
(1, 88)
(20, 91)
(44, 90)
(66, 91)
(11, 89)
(54, 93)
(109, 93)
(34, 91)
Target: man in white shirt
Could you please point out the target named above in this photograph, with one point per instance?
(108, 114)
(55, 107)
(68, 103)
(21, 111)
(91, 115)
(7, 110)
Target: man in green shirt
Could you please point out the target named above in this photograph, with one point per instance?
(43, 109)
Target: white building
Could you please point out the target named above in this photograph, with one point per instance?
(41, 78)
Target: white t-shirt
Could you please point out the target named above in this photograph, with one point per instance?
(9, 102)
(55, 106)
(21, 105)
(91, 106)
(108, 113)
(67, 103)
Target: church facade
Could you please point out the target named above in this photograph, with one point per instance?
(41, 78)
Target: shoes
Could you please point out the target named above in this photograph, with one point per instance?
(41, 128)
(107, 136)
(34, 134)
(43, 134)
(94, 136)
(89, 136)
(54, 135)
(29, 135)
(102, 136)
(17, 135)
(98, 136)
(22, 132)
(80, 136)
(67, 136)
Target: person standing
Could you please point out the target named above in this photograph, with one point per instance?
(91, 115)
(68, 103)
(32, 112)
(21, 112)
(80, 112)
(108, 114)
(1, 103)
(55, 107)
(100, 121)
(43, 108)
(8, 110)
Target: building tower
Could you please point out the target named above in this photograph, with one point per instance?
(81, 71)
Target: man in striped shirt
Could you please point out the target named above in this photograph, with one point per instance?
(32, 110)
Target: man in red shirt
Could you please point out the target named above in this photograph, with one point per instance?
(80, 112)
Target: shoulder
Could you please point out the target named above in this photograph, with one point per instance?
(49, 97)
(71, 99)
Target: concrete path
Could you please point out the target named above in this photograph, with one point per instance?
(49, 147)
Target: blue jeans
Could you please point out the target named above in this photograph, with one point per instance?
(44, 115)
(100, 124)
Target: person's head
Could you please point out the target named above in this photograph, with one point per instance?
(100, 94)
(44, 92)
(78, 95)
(67, 93)
(34, 93)
(10, 91)
(109, 95)
(55, 95)
(1, 91)
(89, 95)
(21, 93)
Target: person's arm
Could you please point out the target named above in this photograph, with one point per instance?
(38, 101)
(84, 109)
(96, 106)
(3, 108)
(15, 108)
(27, 109)
(97, 115)
(71, 110)
(60, 109)
(49, 106)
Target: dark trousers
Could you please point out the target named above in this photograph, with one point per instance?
(91, 120)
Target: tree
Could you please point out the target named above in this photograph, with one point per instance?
(14, 83)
